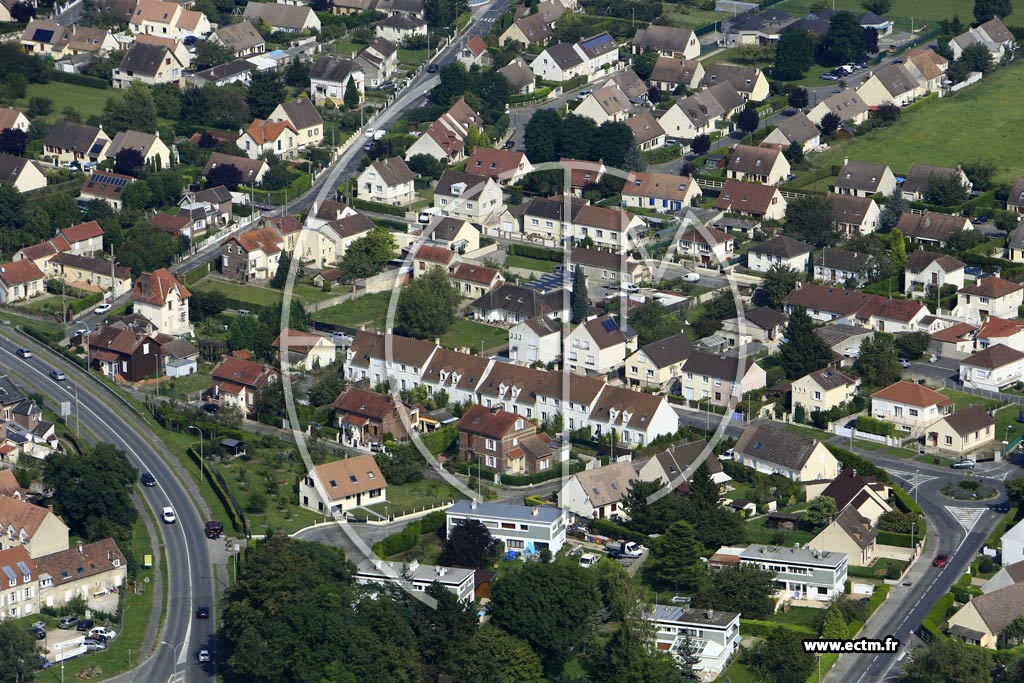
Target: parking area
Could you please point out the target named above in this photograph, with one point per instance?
(551, 281)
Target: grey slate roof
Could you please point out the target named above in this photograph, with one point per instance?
(564, 55)
(240, 37)
(66, 134)
(333, 69)
(776, 445)
(784, 247)
(143, 58)
(841, 259)
(393, 171)
(860, 175)
(669, 350)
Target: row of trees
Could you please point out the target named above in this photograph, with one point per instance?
(549, 137)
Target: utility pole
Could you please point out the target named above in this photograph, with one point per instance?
(78, 422)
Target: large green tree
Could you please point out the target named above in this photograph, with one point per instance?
(945, 190)
(493, 656)
(92, 491)
(470, 544)
(946, 660)
(743, 588)
(821, 511)
(803, 351)
(135, 109)
(877, 361)
(549, 605)
(778, 282)
(810, 219)
(19, 657)
(541, 136)
(897, 251)
(678, 557)
(794, 55)
(368, 255)
(653, 322)
(844, 40)
(987, 9)
(580, 300)
(266, 91)
(427, 306)
(891, 211)
(781, 658)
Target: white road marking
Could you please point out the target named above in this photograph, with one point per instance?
(967, 517)
(915, 479)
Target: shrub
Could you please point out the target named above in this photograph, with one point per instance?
(871, 425)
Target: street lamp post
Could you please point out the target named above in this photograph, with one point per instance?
(917, 483)
(202, 458)
(913, 527)
(174, 653)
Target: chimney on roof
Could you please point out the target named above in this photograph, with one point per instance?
(536, 510)
(79, 547)
(846, 160)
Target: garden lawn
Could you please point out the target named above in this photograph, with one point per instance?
(963, 400)
(798, 616)
(739, 673)
(418, 494)
(531, 264)
(370, 309)
(690, 17)
(1007, 417)
(412, 57)
(470, 334)
(922, 11)
(87, 101)
(263, 295)
(945, 132)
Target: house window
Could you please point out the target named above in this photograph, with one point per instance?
(489, 443)
(492, 461)
(913, 412)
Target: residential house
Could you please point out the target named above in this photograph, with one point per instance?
(711, 246)
(473, 281)
(763, 28)
(368, 358)
(560, 62)
(504, 442)
(763, 325)
(598, 493)
(284, 18)
(1014, 200)
(87, 571)
(647, 132)
(670, 74)
(426, 257)
(607, 103)
(44, 37)
(796, 130)
(750, 82)
(827, 304)
(635, 417)
(719, 378)
(235, 71)
(70, 141)
(170, 19)
(963, 431)
(984, 618)
(13, 119)
(534, 29)
(867, 496)
(31, 527)
(336, 487)
(910, 406)
(150, 64)
(153, 150)
(861, 179)
(238, 383)
(823, 390)
(851, 534)
(915, 187)
(608, 266)
(757, 165)
(600, 52)
(263, 137)
(891, 84)
(207, 208)
(161, 299)
(455, 373)
(364, 417)
(801, 573)
(674, 466)
(412, 8)
(931, 228)
(853, 215)
(88, 273)
(537, 340)
(689, 117)
(23, 174)
(844, 339)
(928, 67)
(989, 296)
(993, 34)
(840, 266)
(928, 271)
(667, 41)
(84, 239)
(241, 39)
(632, 85)
(992, 368)
(751, 199)
(847, 104)
(378, 61)
(1000, 331)
(661, 192)
(709, 636)
(251, 255)
(177, 47)
(304, 119)
(610, 229)
(474, 52)
(454, 234)
(510, 304)
(658, 365)
(461, 582)
(387, 181)
(20, 280)
(104, 186)
(306, 351)
(955, 341)
(475, 198)
(519, 76)
(20, 595)
(120, 352)
(331, 76)
(771, 449)
(518, 527)
(504, 165)
(780, 251)
(599, 346)
(398, 28)
(1008, 575)
(445, 139)
(252, 170)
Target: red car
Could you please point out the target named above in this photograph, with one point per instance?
(941, 560)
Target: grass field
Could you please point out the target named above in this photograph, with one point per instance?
(947, 132)
(260, 295)
(690, 17)
(962, 400)
(87, 101)
(418, 494)
(469, 333)
(531, 264)
(922, 12)
(371, 309)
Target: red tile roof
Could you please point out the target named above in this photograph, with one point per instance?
(154, 288)
(473, 273)
(355, 401)
(19, 272)
(435, 254)
(912, 393)
(492, 423)
(955, 333)
(999, 327)
(995, 356)
(242, 372)
(992, 287)
(82, 232)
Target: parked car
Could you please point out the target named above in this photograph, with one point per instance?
(829, 77)
(103, 634)
(941, 560)
(57, 375)
(624, 549)
(24, 353)
(37, 633)
(582, 94)
(94, 645)
(211, 407)
(148, 479)
(588, 560)
(904, 363)
(168, 516)
(432, 68)
(630, 287)
(85, 624)
(38, 626)
(387, 85)
(981, 218)
(67, 622)
(44, 663)
(509, 144)
(203, 656)
(691, 277)
(963, 464)
(214, 529)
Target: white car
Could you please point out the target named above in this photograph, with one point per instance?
(691, 277)
(630, 287)
(103, 633)
(904, 363)
(370, 132)
(168, 516)
(589, 560)
(101, 309)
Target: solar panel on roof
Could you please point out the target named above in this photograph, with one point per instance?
(10, 573)
(609, 325)
(42, 35)
(25, 571)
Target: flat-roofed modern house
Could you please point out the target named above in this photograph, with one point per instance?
(708, 635)
(520, 528)
(801, 573)
(417, 577)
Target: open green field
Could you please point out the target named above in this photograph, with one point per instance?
(260, 295)
(531, 264)
(963, 400)
(691, 17)
(469, 333)
(371, 309)
(948, 131)
(923, 12)
(87, 101)
(416, 495)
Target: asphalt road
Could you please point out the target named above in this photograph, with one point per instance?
(186, 549)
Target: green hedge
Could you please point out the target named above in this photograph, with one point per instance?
(932, 624)
(406, 539)
(364, 205)
(759, 628)
(610, 529)
(851, 459)
(872, 425)
(278, 197)
(197, 274)
(905, 502)
(440, 440)
(535, 252)
(538, 94)
(80, 79)
(529, 479)
(220, 488)
(663, 155)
